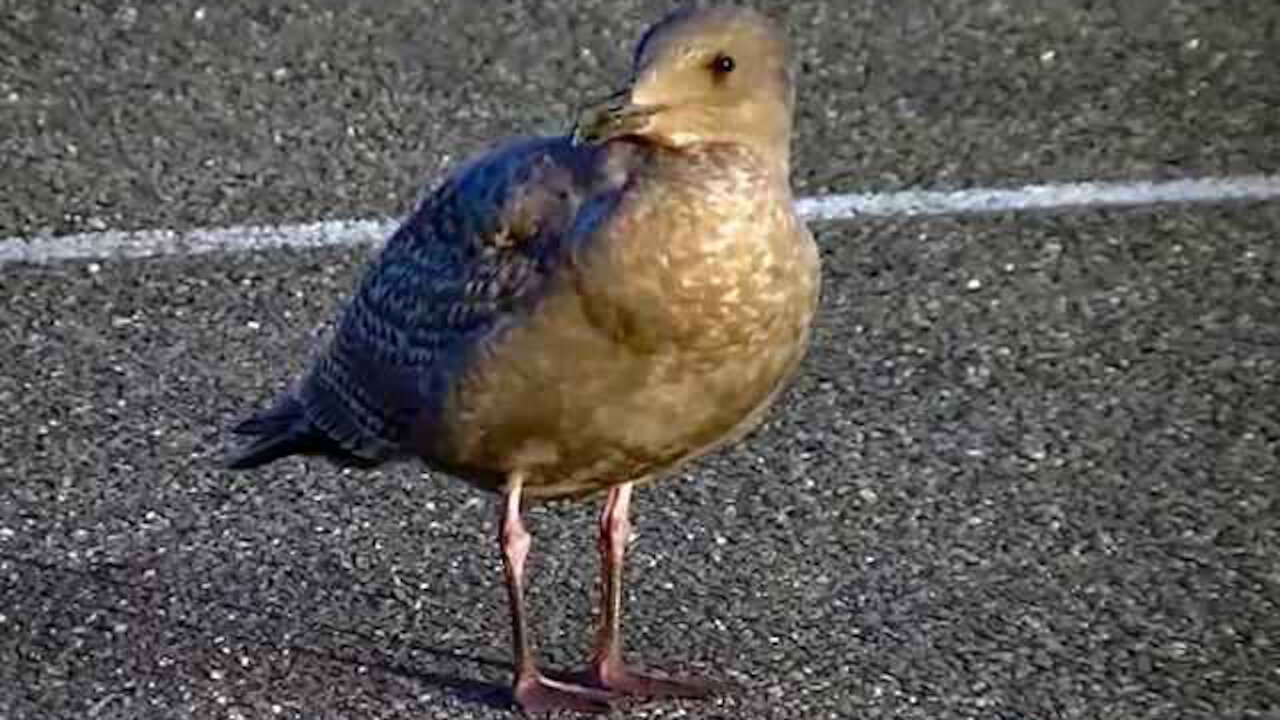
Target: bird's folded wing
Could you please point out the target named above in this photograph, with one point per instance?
(477, 250)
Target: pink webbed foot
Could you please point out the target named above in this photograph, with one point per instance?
(539, 694)
(615, 676)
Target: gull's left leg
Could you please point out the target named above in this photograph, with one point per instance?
(608, 671)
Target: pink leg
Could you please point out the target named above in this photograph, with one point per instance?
(533, 692)
(608, 670)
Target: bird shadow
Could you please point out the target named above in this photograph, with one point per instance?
(264, 625)
(479, 692)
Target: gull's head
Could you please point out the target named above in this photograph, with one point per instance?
(717, 75)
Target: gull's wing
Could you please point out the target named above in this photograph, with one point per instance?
(476, 251)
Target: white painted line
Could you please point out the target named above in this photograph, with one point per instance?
(1041, 197)
(116, 244)
(110, 244)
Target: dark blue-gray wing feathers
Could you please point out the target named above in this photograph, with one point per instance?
(476, 249)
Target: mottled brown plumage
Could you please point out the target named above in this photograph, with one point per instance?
(575, 314)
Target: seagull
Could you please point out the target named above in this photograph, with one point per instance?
(573, 316)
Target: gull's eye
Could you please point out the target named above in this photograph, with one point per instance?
(723, 64)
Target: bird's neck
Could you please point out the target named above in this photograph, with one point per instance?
(713, 163)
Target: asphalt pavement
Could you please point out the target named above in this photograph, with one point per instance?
(1030, 469)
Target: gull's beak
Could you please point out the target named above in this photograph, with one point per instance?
(613, 117)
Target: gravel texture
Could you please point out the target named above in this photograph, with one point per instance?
(1030, 470)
